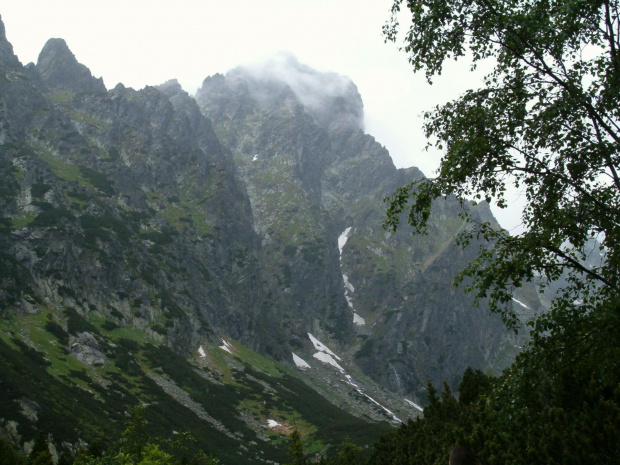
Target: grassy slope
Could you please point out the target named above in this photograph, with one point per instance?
(78, 401)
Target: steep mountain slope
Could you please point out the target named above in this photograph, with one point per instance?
(125, 233)
(150, 253)
(314, 180)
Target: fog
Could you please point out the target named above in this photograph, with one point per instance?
(330, 97)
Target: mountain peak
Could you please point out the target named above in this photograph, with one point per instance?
(8, 59)
(171, 88)
(332, 99)
(58, 67)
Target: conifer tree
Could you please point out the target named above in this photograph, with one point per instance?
(40, 454)
(296, 450)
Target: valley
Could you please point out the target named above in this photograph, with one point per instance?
(219, 259)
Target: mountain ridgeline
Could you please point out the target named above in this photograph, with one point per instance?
(204, 252)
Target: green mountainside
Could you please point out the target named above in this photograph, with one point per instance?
(313, 176)
(204, 256)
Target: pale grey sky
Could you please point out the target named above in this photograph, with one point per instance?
(140, 42)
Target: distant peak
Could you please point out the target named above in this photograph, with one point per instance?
(333, 99)
(57, 46)
(171, 88)
(8, 59)
(58, 67)
(2, 30)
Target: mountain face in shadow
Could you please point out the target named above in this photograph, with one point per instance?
(166, 249)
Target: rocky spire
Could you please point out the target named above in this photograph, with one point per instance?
(8, 60)
(59, 68)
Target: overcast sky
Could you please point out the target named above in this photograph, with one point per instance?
(139, 43)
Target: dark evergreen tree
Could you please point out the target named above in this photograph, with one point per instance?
(9, 455)
(296, 450)
(40, 454)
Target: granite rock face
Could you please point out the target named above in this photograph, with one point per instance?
(59, 69)
(315, 180)
(252, 211)
(86, 349)
(131, 208)
(8, 60)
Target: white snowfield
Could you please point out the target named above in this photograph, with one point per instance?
(413, 404)
(272, 423)
(201, 352)
(347, 284)
(318, 345)
(521, 303)
(348, 287)
(226, 346)
(327, 356)
(342, 239)
(300, 362)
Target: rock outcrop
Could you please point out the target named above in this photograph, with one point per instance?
(59, 69)
(312, 175)
(140, 226)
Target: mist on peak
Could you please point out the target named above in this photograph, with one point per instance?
(332, 99)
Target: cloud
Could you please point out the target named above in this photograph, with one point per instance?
(331, 98)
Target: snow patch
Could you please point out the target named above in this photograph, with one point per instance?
(387, 410)
(255, 157)
(300, 362)
(318, 345)
(201, 352)
(326, 358)
(342, 240)
(272, 423)
(348, 287)
(358, 389)
(521, 303)
(226, 346)
(413, 404)
(350, 381)
(347, 284)
(358, 320)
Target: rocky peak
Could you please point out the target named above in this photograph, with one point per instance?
(185, 105)
(59, 68)
(332, 99)
(8, 60)
(171, 88)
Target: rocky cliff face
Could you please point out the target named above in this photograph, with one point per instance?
(127, 201)
(133, 221)
(315, 179)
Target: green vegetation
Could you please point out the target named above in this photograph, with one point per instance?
(82, 174)
(9, 455)
(62, 97)
(97, 397)
(188, 209)
(98, 180)
(545, 122)
(61, 168)
(82, 117)
(104, 227)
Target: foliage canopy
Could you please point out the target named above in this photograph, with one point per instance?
(546, 120)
